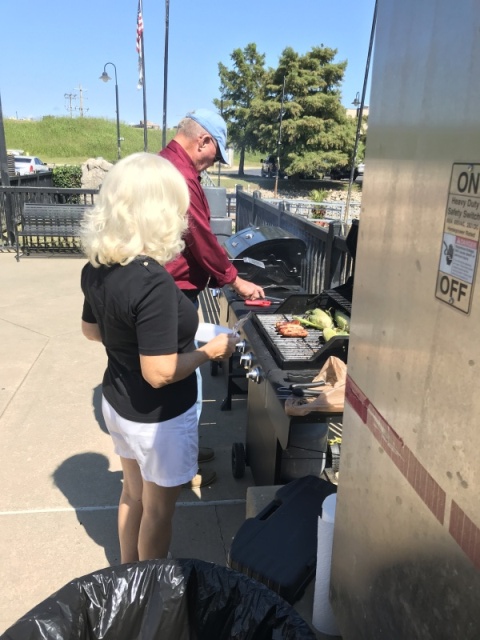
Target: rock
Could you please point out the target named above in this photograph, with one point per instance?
(301, 203)
(332, 195)
(94, 171)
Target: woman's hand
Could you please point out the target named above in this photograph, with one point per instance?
(221, 347)
(159, 371)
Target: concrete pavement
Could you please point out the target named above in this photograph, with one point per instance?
(59, 475)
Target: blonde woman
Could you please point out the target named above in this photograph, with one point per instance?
(147, 325)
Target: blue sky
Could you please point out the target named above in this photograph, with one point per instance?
(57, 47)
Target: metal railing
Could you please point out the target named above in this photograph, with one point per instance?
(327, 264)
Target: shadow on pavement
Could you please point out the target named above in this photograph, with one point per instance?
(93, 491)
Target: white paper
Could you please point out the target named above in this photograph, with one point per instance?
(207, 331)
(329, 506)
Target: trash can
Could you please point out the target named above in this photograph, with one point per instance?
(162, 600)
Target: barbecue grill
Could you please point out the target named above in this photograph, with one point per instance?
(281, 448)
(279, 251)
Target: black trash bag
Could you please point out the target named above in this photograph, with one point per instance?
(183, 599)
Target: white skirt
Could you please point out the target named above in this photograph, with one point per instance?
(166, 452)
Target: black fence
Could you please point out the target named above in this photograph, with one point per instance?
(37, 179)
(328, 263)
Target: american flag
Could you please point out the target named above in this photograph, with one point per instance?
(139, 44)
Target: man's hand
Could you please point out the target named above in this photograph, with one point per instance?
(248, 290)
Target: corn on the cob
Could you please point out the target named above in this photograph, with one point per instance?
(320, 317)
(331, 332)
(328, 333)
(342, 321)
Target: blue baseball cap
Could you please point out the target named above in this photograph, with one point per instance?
(216, 127)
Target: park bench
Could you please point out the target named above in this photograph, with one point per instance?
(49, 227)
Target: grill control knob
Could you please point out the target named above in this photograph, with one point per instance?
(255, 374)
(241, 346)
(246, 360)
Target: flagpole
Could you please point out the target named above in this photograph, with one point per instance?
(165, 77)
(144, 90)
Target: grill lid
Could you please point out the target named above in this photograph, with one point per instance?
(280, 252)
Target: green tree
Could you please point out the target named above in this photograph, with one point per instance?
(239, 88)
(316, 133)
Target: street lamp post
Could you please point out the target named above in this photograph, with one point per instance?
(165, 75)
(356, 103)
(359, 107)
(105, 77)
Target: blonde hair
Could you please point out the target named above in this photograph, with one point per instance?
(141, 210)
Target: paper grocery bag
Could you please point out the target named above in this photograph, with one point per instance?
(331, 396)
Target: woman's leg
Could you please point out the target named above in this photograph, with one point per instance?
(156, 526)
(130, 510)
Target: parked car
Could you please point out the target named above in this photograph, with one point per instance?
(29, 164)
(343, 173)
(269, 167)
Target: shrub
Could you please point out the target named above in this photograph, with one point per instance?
(68, 177)
(318, 195)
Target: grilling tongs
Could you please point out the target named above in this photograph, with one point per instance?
(301, 388)
(239, 323)
(256, 263)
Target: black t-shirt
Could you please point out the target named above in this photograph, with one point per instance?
(140, 310)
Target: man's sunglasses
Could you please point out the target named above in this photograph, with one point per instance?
(218, 155)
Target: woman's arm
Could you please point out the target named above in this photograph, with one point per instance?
(159, 371)
(91, 331)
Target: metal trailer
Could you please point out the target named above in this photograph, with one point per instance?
(406, 549)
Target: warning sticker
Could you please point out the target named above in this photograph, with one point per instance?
(461, 234)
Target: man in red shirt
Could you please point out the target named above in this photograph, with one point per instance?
(200, 141)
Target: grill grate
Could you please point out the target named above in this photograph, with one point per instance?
(297, 353)
(291, 348)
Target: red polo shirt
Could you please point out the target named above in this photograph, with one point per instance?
(203, 258)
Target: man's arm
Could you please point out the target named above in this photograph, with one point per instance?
(247, 289)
